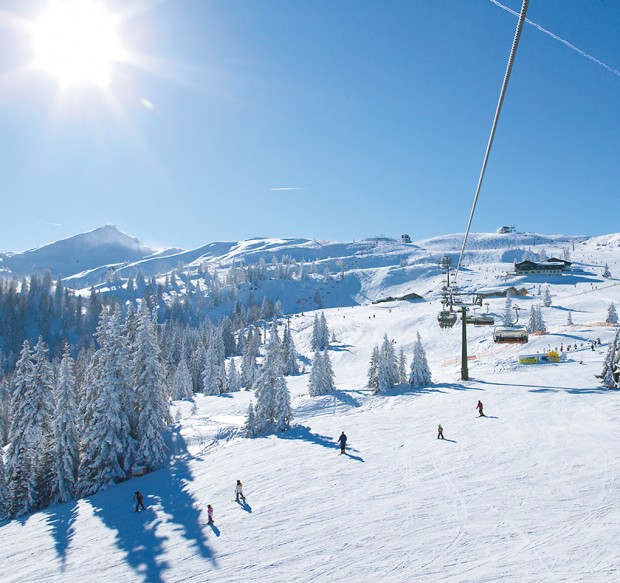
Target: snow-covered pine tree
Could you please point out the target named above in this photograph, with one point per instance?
(536, 322)
(606, 272)
(390, 361)
(266, 387)
(373, 370)
(4, 491)
(282, 412)
(182, 386)
(43, 457)
(211, 375)
(320, 333)
(569, 318)
(149, 381)
(531, 323)
(508, 317)
(329, 371)
(324, 333)
(321, 380)
(249, 370)
(24, 437)
(383, 381)
(66, 442)
(612, 315)
(291, 367)
(232, 377)
(250, 423)
(542, 326)
(547, 297)
(402, 366)
(106, 449)
(5, 411)
(315, 343)
(611, 364)
(420, 372)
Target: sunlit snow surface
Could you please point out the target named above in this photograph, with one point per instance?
(527, 494)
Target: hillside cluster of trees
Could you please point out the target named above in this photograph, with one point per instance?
(37, 307)
(388, 370)
(75, 430)
(75, 425)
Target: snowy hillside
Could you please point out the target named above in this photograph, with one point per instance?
(527, 493)
(101, 247)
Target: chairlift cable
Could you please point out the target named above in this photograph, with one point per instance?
(513, 51)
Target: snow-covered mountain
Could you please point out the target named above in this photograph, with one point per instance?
(99, 248)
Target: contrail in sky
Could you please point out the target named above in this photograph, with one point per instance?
(556, 37)
(288, 188)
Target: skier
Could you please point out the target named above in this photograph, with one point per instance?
(139, 500)
(210, 514)
(343, 442)
(440, 432)
(479, 407)
(239, 491)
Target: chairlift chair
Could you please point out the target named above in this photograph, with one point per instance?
(510, 334)
(446, 318)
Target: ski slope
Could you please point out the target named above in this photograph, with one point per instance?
(528, 493)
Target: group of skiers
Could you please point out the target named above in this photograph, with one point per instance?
(342, 440)
(139, 500)
(480, 408)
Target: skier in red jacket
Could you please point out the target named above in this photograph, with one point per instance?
(479, 407)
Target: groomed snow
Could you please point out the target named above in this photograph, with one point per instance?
(527, 494)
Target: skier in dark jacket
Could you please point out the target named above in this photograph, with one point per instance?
(139, 500)
(479, 407)
(440, 432)
(343, 442)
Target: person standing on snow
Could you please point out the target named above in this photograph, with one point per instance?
(239, 491)
(139, 500)
(440, 432)
(343, 442)
(210, 514)
(479, 407)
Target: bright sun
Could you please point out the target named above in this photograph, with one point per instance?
(77, 42)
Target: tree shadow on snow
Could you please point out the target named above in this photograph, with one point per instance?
(452, 386)
(135, 532)
(61, 520)
(346, 399)
(178, 502)
(551, 389)
(303, 433)
(340, 348)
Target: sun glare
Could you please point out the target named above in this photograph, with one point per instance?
(77, 42)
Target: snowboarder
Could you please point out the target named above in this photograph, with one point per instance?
(139, 500)
(440, 432)
(239, 491)
(343, 442)
(210, 514)
(479, 407)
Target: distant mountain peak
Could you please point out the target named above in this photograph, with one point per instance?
(106, 245)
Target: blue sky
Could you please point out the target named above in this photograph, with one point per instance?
(373, 116)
